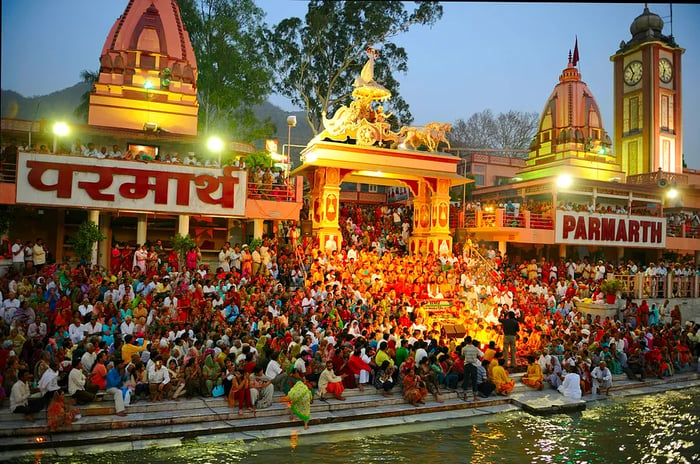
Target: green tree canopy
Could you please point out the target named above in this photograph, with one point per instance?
(319, 57)
(234, 72)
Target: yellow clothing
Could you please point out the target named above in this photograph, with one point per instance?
(533, 378)
(504, 384)
(381, 357)
(129, 349)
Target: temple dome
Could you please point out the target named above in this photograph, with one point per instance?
(646, 21)
(571, 113)
(152, 26)
(148, 72)
(571, 138)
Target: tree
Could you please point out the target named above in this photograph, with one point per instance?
(86, 237)
(234, 72)
(182, 244)
(90, 78)
(317, 59)
(507, 131)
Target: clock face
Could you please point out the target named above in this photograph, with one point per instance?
(665, 70)
(633, 73)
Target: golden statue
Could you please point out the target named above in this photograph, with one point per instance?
(368, 126)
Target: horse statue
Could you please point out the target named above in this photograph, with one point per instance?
(429, 135)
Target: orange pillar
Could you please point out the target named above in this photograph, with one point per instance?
(325, 207)
(439, 237)
(418, 241)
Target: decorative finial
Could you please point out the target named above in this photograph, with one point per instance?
(569, 56)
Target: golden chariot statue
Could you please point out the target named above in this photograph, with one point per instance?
(367, 125)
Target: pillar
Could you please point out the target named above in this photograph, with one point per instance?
(502, 247)
(60, 233)
(94, 216)
(562, 250)
(183, 224)
(141, 231)
(325, 206)
(439, 237)
(258, 228)
(418, 241)
(620, 254)
(104, 247)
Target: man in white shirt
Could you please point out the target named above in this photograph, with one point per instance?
(115, 153)
(48, 383)
(76, 384)
(18, 254)
(9, 307)
(20, 401)
(85, 309)
(275, 372)
(88, 358)
(75, 331)
(158, 380)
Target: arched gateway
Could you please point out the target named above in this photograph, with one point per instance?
(358, 145)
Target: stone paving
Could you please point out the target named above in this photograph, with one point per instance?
(210, 420)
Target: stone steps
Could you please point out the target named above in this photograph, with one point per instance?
(194, 418)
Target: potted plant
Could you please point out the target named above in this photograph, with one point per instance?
(610, 288)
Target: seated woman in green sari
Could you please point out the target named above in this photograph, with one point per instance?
(211, 373)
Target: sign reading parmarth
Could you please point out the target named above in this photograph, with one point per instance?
(610, 229)
(93, 183)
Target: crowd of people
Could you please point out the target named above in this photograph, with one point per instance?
(287, 316)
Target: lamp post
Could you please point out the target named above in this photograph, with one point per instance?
(215, 144)
(291, 122)
(60, 129)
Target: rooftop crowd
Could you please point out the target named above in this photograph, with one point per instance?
(283, 315)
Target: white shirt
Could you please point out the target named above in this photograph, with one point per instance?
(76, 333)
(273, 369)
(76, 381)
(19, 395)
(18, 253)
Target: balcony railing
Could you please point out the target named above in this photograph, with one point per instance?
(659, 176)
(659, 286)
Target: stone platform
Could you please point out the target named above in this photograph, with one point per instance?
(210, 420)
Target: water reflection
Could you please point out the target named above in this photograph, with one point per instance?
(654, 429)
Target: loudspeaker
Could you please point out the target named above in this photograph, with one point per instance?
(306, 228)
(455, 330)
(662, 183)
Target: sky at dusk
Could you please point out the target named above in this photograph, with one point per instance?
(497, 56)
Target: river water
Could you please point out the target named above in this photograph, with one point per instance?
(662, 428)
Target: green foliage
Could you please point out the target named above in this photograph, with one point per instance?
(318, 58)
(182, 244)
(87, 235)
(258, 159)
(234, 72)
(88, 77)
(612, 286)
(254, 243)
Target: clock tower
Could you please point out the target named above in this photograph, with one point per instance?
(647, 99)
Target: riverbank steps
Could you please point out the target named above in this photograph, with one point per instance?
(208, 420)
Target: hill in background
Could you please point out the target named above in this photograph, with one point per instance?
(61, 105)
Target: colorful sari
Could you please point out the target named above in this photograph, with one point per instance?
(533, 378)
(299, 400)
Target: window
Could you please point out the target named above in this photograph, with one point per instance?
(634, 113)
(479, 180)
(667, 113)
(666, 156)
(479, 168)
(633, 158)
(372, 188)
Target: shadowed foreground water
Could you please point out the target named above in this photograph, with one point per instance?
(653, 429)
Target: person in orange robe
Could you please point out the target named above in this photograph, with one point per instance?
(504, 384)
(533, 377)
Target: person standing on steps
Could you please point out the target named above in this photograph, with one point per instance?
(471, 354)
(510, 332)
